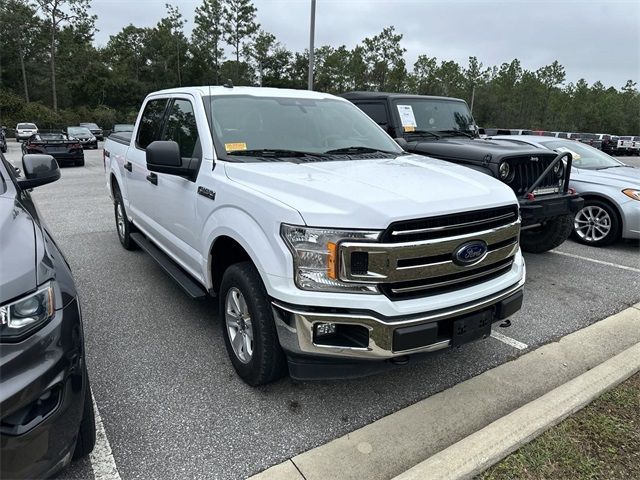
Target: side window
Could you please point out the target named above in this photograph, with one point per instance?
(181, 127)
(377, 111)
(151, 122)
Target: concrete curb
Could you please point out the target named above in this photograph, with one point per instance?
(394, 444)
(479, 451)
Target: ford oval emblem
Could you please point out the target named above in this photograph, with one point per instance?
(470, 253)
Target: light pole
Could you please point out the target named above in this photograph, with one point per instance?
(312, 32)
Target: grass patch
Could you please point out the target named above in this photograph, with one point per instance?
(601, 441)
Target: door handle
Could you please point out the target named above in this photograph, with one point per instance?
(153, 178)
(128, 166)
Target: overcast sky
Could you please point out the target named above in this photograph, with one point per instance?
(592, 39)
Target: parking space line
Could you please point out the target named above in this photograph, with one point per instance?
(102, 462)
(593, 260)
(509, 341)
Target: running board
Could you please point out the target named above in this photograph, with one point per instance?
(190, 286)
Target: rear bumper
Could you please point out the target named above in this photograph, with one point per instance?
(546, 207)
(369, 336)
(44, 374)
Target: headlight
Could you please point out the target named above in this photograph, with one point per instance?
(558, 168)
(504, 170)
(29, 312)
(315, 257)
(632, 193)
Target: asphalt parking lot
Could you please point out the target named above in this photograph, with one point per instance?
(170, 402)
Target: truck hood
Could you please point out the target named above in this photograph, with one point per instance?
(18, 246)
(475, 150)
(623, 177)
(372, 193)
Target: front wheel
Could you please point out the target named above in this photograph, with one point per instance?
(596, 224)
(548, 236)
(249, 329)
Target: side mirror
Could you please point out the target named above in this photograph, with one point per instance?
(402, 143)
(38, 170)
(163, 156)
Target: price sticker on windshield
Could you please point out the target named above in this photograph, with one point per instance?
(574, 156)
(407, 119)
(235, 147)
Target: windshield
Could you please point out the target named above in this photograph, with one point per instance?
(583, 155)
(27, 126)
(122, 127)
(78, 131)
(434, 115)
(243, 122)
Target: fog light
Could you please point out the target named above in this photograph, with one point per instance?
(323, 329)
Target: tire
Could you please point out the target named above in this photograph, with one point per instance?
(87, 432)
(548, 236)
(596, 224)
(124, 227)
(254, 326)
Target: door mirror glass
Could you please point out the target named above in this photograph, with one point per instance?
(38, 170)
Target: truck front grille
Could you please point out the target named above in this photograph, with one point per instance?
(425, 265)
(526, 171)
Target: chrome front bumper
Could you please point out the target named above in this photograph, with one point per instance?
(295, 328)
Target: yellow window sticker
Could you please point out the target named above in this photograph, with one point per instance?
(574, 156)
(234, 147)
(409, 128)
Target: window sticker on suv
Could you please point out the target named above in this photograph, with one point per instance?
(407, 119)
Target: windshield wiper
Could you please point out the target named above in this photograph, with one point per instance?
(358, 149)
(456, 132)
(610, 166)
(423, 132)
(275, 153)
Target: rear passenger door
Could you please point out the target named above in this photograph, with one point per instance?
(173, 215)
(140, 205)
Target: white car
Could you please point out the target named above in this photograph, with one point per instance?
(327, 244)
(611, 191)
(25, 130)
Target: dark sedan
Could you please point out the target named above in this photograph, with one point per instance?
(95, 129)
(84, 135)
(46, 409)
(65, 149)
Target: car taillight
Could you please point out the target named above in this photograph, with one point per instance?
(76, 145)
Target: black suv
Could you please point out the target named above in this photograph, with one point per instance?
(46, 410)
(444, 128)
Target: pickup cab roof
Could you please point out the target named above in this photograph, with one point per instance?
(218, 90)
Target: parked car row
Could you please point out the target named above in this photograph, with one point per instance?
(611, 144)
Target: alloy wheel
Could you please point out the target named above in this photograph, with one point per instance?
(592, 223)
(239, 326)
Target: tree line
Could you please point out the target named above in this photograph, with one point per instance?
(52, 73)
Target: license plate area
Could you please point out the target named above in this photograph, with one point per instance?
(471, 327)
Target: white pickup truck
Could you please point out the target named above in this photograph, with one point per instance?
(333, 252)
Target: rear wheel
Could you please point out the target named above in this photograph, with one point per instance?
(596, 224)
(123, 225)
(547, 236)
(249, 329)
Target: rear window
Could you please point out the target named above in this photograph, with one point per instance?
(151, 122)
(27, 126)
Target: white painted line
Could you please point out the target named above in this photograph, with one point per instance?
(593, 260)
(102, 461)
(509, 341)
